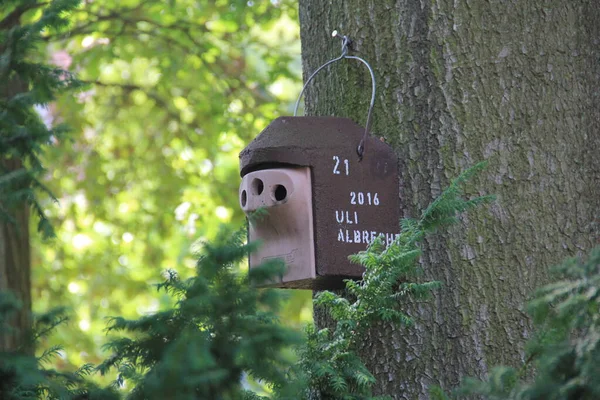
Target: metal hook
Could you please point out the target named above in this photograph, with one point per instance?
(345, 41)
(360, 150)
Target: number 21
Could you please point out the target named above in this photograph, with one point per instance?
(336, 169)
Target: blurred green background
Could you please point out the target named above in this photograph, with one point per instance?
(176, 90)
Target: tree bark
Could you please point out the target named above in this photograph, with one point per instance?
(513, 82)
(15, 269)
(15, 261)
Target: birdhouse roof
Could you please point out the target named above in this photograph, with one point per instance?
(298, 140)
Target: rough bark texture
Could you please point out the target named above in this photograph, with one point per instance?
(15, 262)
(513, 82)
(15, 270)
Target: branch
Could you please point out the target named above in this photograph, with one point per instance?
(153, 95)
(13, 18)
(79, 30)
(121, 16)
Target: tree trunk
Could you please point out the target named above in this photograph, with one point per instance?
(15, 269)
(15, 263)
(513, 82)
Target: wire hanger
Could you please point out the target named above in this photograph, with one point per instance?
(360, 150)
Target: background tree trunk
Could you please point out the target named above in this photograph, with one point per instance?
(15, 261)
(513, 82)
(15, 269)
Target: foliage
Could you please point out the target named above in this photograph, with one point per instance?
(24, 84)
(389, 282)
(565, 351)
(175, 90)
(25, 377)
(221, 328)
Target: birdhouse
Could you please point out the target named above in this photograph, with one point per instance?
(322, 201)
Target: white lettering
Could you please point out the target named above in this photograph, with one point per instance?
(364, 198)
(342, 216)
(348, 220)
(364, 236)
(336, 171)
(389, 238)
(336, 167)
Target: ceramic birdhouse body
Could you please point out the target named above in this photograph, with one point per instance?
(322, 202)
